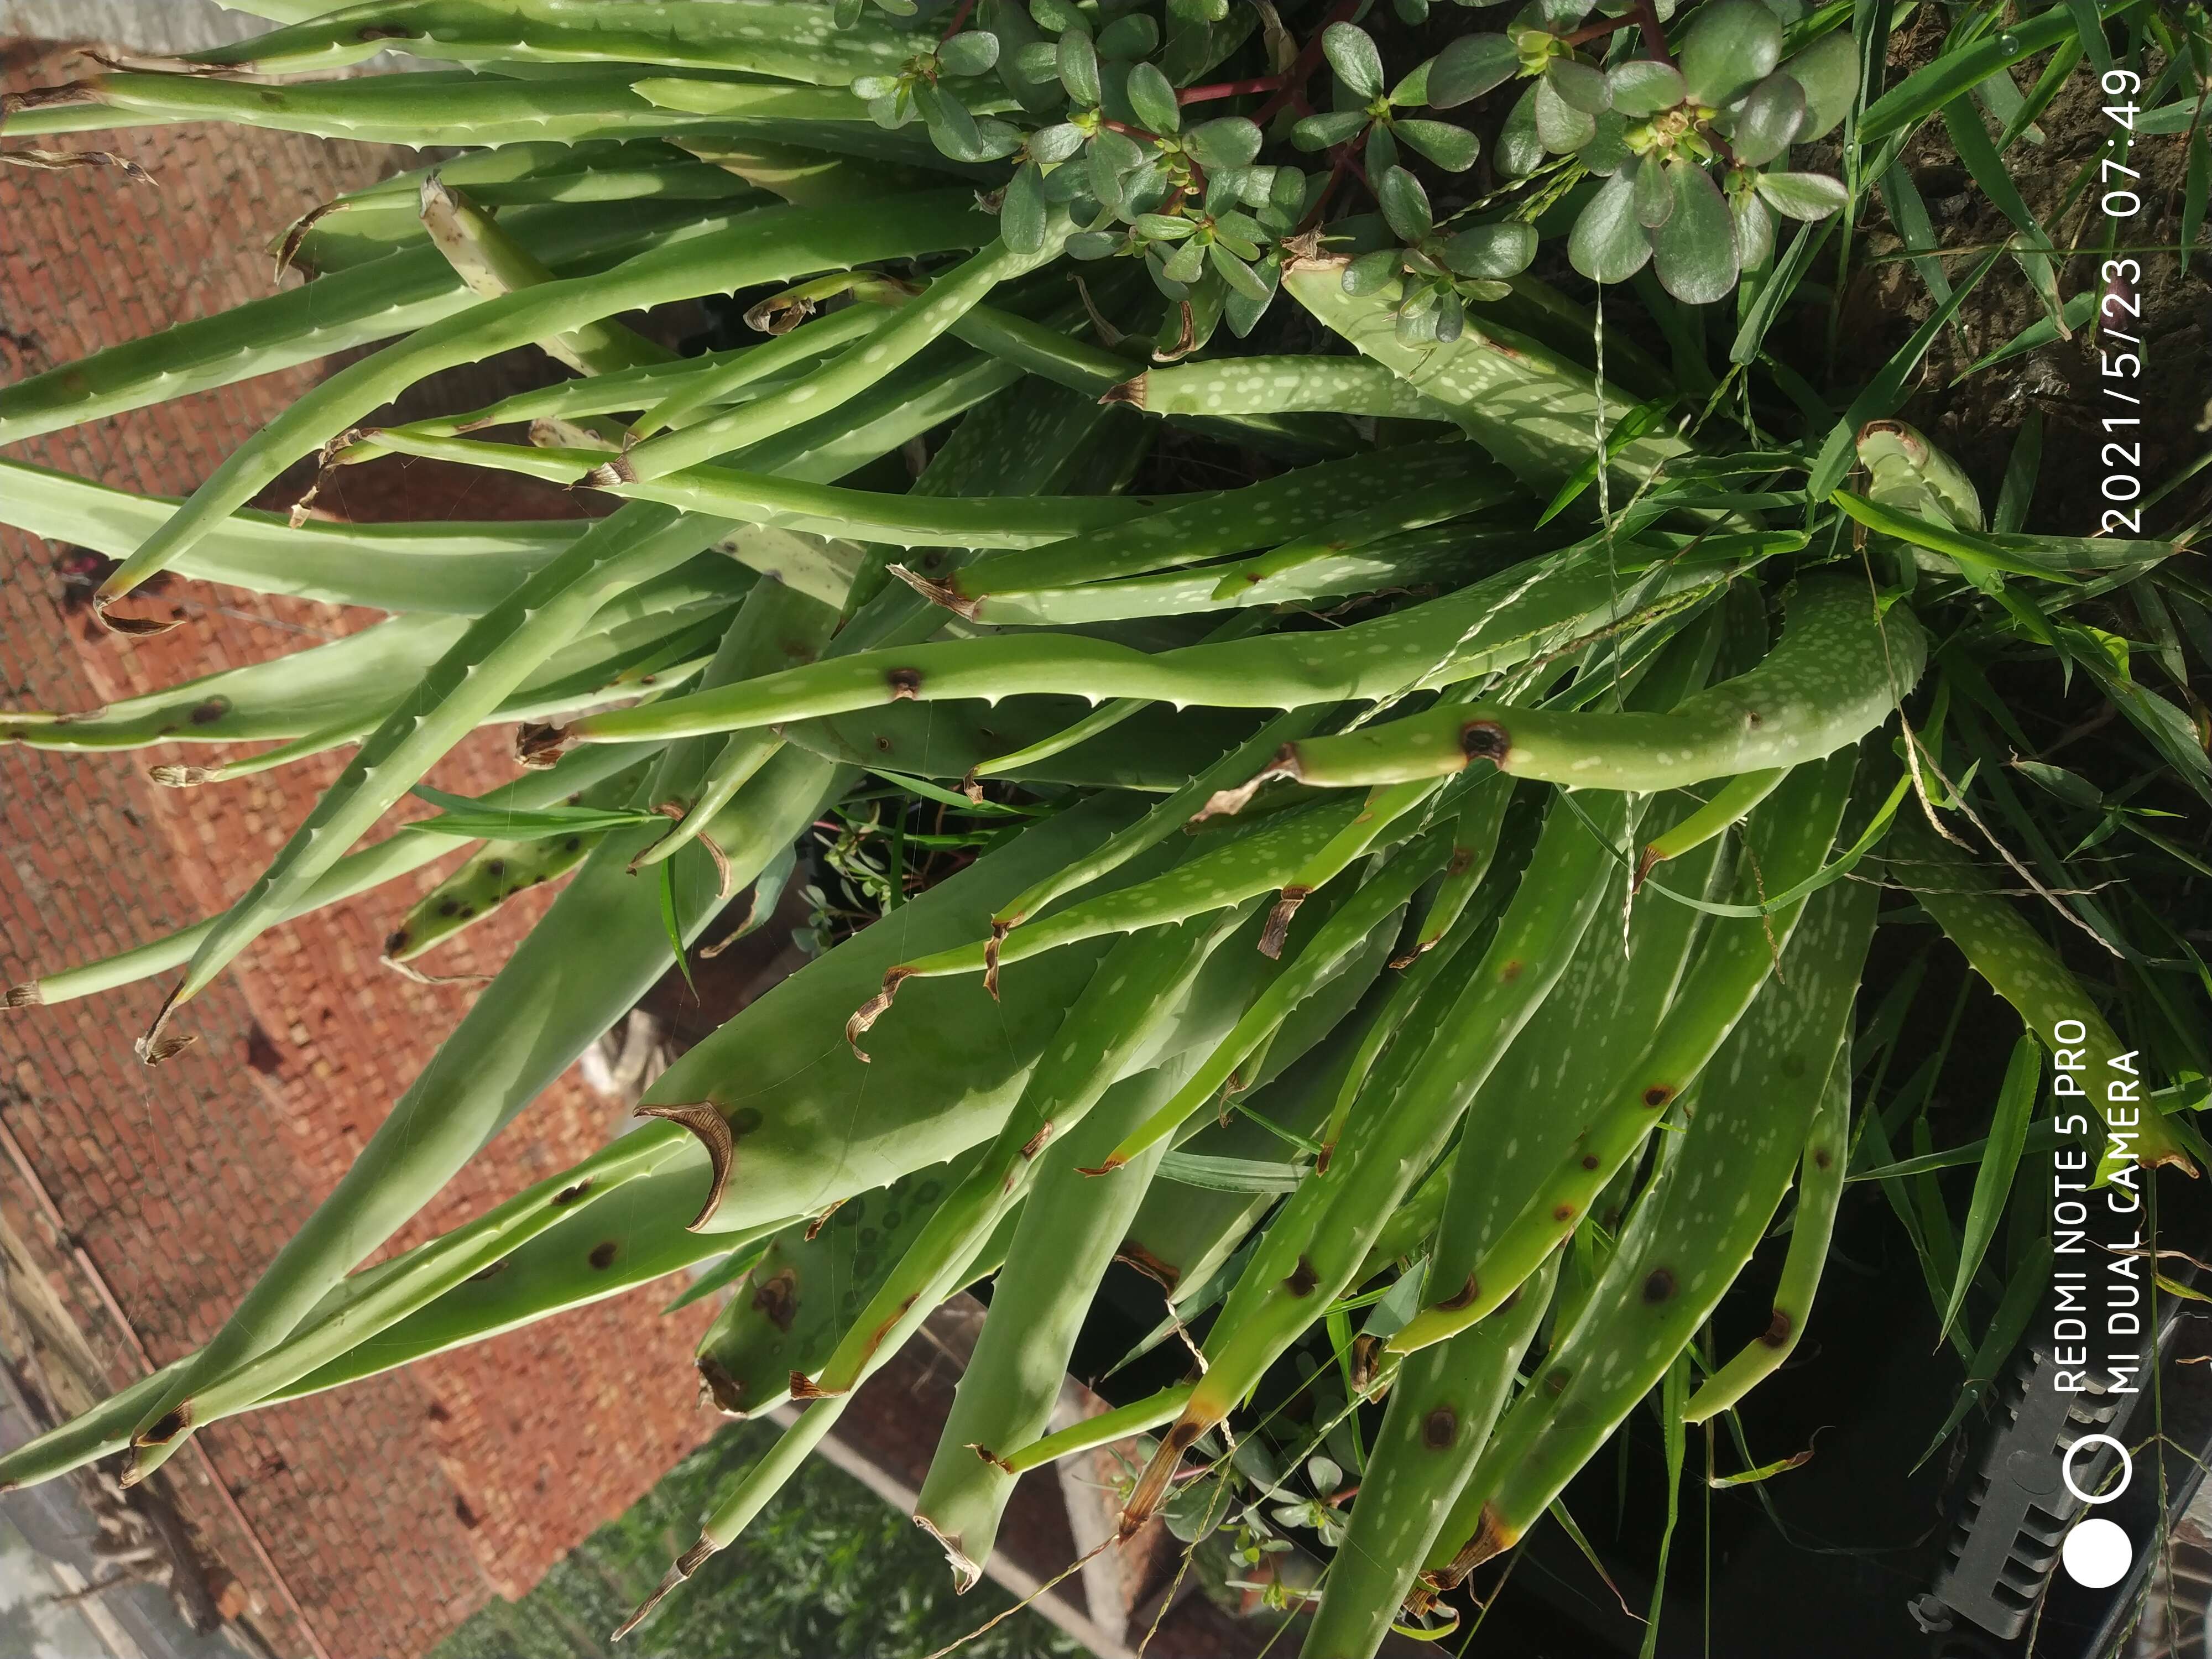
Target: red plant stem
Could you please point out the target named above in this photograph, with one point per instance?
(959, 16)
(1582, 37)
(1308, 60)
(1206, 94)
(1655, 38)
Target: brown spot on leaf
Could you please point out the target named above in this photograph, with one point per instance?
(1778, 1329)
(1440, 1428)
(1658, 1095)
(1822, 1157)
(208, 712)
(1589, 1160)
(1302, 1278)
(1485, 740)
(1659, 1285)
(905, 683)
(1462, 1297)
(570, 1195)
(777, 1299)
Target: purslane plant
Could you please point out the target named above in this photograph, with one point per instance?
(1263, 828)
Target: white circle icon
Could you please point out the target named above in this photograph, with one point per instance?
(2097, 1554)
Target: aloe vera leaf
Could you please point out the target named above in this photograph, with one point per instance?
(778, 625)
(771, 244)
(498, 651)
(1442, 1408)
(1307, 1255)
(1820, 1180)
(1836, 676)
(544, 1007)
(1693, 1233)
(406, 291)
(1421, 559)
(1480, 629)
(1103, 1430)
(439, 108)
(1365, 912)
(1787, 837)
(630, 1238)
(1730, 802)
(757, 498)
(1196, 885)
(1127, 1003)
(731, 372)
(455, 569)
(1229, 521)
(736, 1509)
(387, 860)
(810, 1285)
(1477, 487)
(1275, 386)
(276, 697)
(1529, 407)
(1474, 844)
(492, 263)
(786, 42)
(1063, 1245)
(2004, 950)
(893, 342)
(497, 871)
(354, 678)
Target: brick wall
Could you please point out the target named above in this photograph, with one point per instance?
(395, 1508)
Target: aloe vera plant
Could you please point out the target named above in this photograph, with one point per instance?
(1323, 815)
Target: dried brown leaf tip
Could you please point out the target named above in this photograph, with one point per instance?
(686, 1564)
(713, 1129)
(26, 995)
(872, 1010)
(937, 592)
(1130, 392)
(537, 746)
(63, 160)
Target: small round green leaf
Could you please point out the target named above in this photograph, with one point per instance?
(1654, 194)
(1129, 37)
(1693, 253)
(1038, 63)
(1492, 252)
(1563, 128)
(1381, 149)
(1580, 85)
(1236, 273)
(1607, 244)
(1608, 151)
(1154, 98)
(1773, 113)
(1056, 143)
(1405, 204)
(1186, 264)
(1372, 272)
(869, 88)
(1092, 245)
(1754, 231)
(1469, 66)
(1337, 127)
(1230, 142)
(1163, 227)
(1350, 51)
(1828, 70)
(1022, 210)
(973, 52)
(1732, 44)
(1520, 148)
(1803, 195)
(1643, 87)
(1078, 68)
(1453, 149)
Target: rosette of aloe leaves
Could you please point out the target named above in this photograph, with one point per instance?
(1407, 783)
